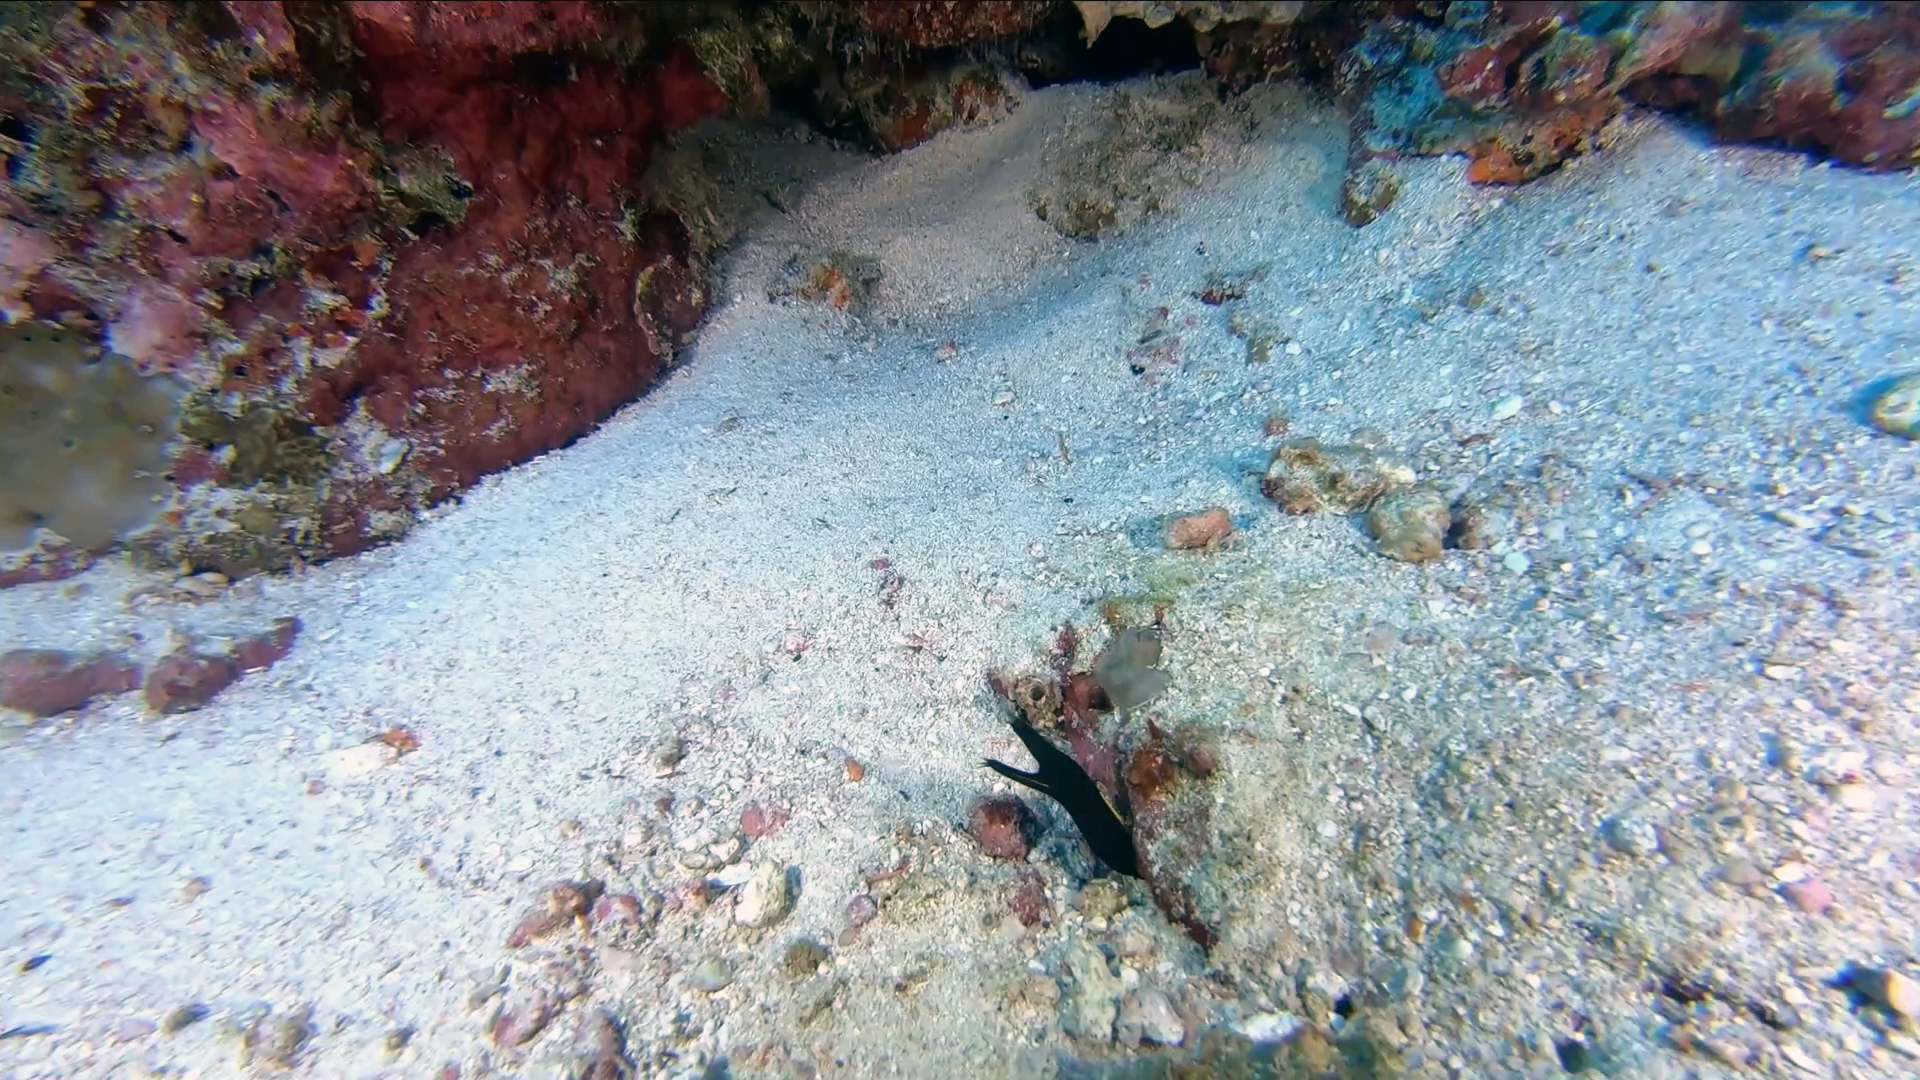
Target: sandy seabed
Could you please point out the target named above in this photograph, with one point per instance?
(1630, 790)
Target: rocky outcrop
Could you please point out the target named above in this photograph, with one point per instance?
(385, 248)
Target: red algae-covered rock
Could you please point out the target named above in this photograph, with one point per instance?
(262, 652)
(185, 680)
(1520, 87)
(1173, 828)
(943, 24)
(48, 682)
(384, 248)
(1002, 826)
(1029, 903)
(553, 303)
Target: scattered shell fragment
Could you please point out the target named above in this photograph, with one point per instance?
(766, 898)
(711, 976)
(363, 760)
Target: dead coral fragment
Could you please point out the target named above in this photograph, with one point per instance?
(1307, 476)
(1036, 698)
(1411, 526)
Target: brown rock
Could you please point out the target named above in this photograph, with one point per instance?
(47, 682)
(262, 652)
(1029, 902)
(764, 819)
(615, 912)
(522, 1018)
(560, 905)
(1002, 826)
(185, 680)
(1200, 532)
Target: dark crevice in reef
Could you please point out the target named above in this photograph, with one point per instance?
(1125, 49)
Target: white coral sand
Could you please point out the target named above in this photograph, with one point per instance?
(1697, 632)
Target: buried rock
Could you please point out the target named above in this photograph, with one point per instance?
(1411, 526)
(187, 679)
(48, 682)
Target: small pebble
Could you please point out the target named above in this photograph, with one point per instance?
(1516, 563)
(861, 910)
(711, 976)
(667, 753)
(1889, 988)
(1811, 896)
(1743, 874)
(182, 1018)
(1507, 408)
(1632, 835)
(803, 958)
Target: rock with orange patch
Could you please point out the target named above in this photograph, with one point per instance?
(1200, 532)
